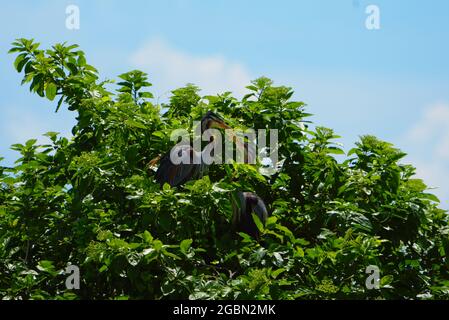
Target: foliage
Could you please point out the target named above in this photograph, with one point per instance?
(91, 201)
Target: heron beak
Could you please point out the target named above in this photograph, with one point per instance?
(220, 124)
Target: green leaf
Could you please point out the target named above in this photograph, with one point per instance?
(20, 61)
(171, 255)
(286, 231)
(73, 68)
(147, 95)
(299, 252)
(334, 150)
(61, 100)
(257, 221)
(159, 134)
(30, 143)
(15, 49)
(352, 151)
(135, 124)
(185, 245)
(386, 280)
(277, 272)
(50, 91)
(52, 135)
(81, 60)
(103, 268)
(46, 266)
(271, 221)
(429, 196)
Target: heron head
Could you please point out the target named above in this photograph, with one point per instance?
(212, 120)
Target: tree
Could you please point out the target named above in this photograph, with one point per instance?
(91, 201)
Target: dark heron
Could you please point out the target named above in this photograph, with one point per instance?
(243, 207)
(177, 174)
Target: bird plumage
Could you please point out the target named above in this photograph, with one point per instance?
(178, 174)
(245, 203)
(248, 203)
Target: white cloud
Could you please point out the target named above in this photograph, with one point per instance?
(170, 68)
(24, 123)
(435, 174)
(24, 129)
(428, 146)
(434, 124)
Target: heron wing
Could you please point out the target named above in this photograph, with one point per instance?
(176, 174)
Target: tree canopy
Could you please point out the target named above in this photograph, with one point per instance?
(92, 201)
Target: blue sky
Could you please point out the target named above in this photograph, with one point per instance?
(392, 82)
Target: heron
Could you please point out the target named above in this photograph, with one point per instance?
(243, 207)
(178, 174)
